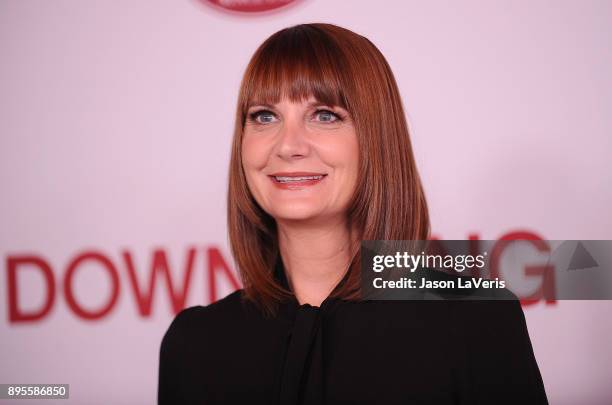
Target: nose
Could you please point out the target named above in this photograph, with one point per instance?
(293, 142)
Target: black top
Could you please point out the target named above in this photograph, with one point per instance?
(343, 352)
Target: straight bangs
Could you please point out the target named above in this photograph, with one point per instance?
(296, 64)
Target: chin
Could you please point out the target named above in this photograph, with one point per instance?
(295, 214)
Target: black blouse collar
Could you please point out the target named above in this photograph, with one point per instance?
(291, 306)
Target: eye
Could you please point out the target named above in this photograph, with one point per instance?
(327, 116)
(262, 117)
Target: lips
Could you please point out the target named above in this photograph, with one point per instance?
(296, 177)
(296, 180)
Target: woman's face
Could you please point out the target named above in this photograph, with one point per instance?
(300, 159)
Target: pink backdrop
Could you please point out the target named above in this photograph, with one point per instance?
(115, 129)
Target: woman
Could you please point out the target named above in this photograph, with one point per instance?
(321, 160)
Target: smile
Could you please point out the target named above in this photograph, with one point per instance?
(296, 182)
(288, 179)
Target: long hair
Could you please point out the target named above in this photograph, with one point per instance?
(337, 67)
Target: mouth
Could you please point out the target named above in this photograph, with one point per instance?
(287, 178)
(296, 180)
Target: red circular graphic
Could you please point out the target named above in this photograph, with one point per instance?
(249, 6)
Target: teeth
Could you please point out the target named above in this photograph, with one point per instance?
(284, 179)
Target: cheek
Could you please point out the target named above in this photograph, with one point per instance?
(254, 155)
(342, 153)
(353, 156)
(350, 163)
(253, 159)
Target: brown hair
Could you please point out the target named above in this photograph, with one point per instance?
(337, 67)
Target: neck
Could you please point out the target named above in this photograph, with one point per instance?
(315, 257)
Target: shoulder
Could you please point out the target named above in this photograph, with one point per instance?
(492, 351)
(477, 307)
(499, 319)
(194, 321)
